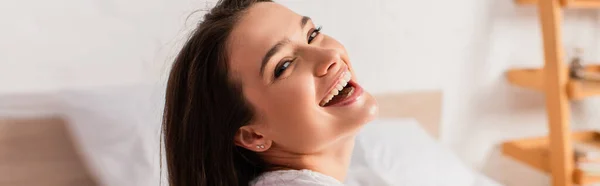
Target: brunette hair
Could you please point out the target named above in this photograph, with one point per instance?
(204, 108)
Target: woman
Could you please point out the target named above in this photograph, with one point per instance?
(258, 95)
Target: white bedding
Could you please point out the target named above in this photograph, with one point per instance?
(117, 129)
(118, 133)
(400, 152)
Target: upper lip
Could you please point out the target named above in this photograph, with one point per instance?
(338, 78)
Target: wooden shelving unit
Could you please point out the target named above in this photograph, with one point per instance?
(554, 153)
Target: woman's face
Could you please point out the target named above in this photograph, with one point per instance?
(289, 71)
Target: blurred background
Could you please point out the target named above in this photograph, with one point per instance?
(97, 64)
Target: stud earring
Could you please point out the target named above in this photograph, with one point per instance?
(260, 146)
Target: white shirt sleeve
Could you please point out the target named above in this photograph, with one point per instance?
(295, 178)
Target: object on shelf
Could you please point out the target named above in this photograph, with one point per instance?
(578, 72)
(576, 69)
(587, 158)
(586, 153)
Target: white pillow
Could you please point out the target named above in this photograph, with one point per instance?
(117, 129)
(400, 152)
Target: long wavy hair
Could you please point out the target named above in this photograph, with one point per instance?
(205, 107)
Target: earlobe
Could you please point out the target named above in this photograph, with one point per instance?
(248, 138)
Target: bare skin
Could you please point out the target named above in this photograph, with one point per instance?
(287, 92)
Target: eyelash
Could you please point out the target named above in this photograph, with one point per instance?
(279, 70)
(314, 34)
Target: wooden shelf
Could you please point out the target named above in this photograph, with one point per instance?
(567, 3)
(535, 153)
(578, 90)
(526, 2)
(527, 78)
(534, 79)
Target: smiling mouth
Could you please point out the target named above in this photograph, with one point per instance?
(342, 91)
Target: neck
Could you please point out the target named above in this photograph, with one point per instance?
(333, 161)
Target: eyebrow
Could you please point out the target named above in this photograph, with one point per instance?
(278, 47)
(304, 20)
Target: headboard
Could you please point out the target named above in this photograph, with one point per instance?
(33, 149)
(424, 106)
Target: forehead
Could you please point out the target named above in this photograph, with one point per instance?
(261, 27)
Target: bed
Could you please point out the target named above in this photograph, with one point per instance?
(110, 137)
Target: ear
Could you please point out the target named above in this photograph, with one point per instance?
(250, 139)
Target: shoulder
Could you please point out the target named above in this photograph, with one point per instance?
(295, 178)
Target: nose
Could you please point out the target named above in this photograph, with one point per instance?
(327, 61)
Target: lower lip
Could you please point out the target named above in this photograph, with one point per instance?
(358, 91)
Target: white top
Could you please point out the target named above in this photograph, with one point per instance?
(295, 178)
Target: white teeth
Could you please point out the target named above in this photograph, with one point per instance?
(347, 76)
(338, 88)
(326, 100)
(335, 92)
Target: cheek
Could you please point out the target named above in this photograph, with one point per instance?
(291, 100)
(294, 118)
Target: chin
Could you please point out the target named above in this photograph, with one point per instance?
(371, 109)
(365, 111)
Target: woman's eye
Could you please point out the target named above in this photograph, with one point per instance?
(281, 68)
(314, 34)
